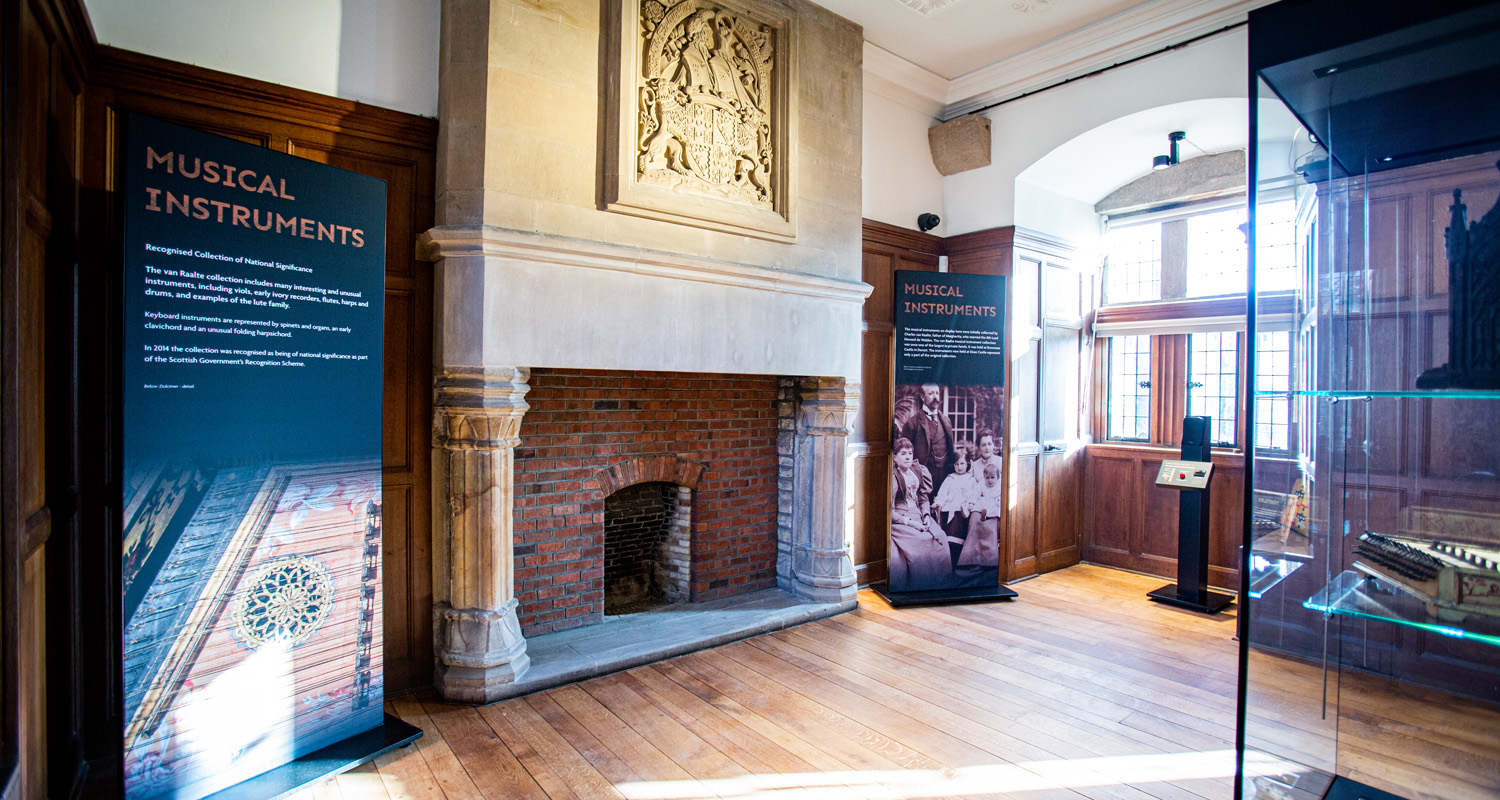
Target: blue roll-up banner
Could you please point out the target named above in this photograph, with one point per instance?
(253, 340)
(946, 434)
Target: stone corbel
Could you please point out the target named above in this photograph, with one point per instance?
(823, 571)
(477, 421)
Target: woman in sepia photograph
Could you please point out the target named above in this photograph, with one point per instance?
(919, 557)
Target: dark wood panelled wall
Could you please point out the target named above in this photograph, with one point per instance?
(64, 103)
(887, 248)
(1048, 302)
(1071, 497)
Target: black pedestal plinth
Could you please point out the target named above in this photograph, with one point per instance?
(319, 764)
(939, 597)
(1345, 789)
(1207, 602)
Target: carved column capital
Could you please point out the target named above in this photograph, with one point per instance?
(827, 407)
(479, 408)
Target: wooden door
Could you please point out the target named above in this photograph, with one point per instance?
(1061, 461)
(1018, 557)
(887, 249)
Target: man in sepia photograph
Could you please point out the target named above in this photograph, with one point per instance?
(931, 434)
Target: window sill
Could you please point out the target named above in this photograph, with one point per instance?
(1223, 456)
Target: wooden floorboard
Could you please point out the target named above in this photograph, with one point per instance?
(1080, 690)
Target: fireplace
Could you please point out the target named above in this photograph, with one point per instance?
(705, 446)
(647, 547)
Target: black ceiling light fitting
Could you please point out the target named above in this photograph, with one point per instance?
(1170, 160)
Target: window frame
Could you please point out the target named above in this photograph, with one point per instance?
(1239, 389)
(1109, 390)
(1169, 322)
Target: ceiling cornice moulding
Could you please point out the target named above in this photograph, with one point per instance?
(901, 81)
(1124, 36)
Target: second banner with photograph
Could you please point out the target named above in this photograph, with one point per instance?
(947, 440)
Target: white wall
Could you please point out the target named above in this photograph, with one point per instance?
(1026, 130)
(382, 52)
(1041, 209)
(899, 181)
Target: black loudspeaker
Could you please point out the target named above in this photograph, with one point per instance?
(1195, 434)
(1191, 589)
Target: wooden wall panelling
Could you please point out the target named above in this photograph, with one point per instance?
(1111, 519)
(76, 484)
(1065, 305)
(395, 147)
(886, 249)
(45, 45)
(993, 252)
(1131, 523)
(1057, 540)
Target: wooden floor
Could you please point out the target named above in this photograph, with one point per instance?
(1080, 689)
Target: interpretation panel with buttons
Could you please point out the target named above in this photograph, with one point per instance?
(1184, 474)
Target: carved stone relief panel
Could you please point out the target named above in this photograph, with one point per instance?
(705, 113)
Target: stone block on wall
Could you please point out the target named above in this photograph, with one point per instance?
(961, 144)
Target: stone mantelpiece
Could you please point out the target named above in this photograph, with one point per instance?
(508, 297)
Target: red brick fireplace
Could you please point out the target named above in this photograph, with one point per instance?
(591, 433)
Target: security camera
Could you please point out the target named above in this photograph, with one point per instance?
(927, 222)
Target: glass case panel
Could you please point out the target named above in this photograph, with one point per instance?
(1371, 619)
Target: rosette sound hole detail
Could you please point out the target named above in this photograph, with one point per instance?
(284, 601)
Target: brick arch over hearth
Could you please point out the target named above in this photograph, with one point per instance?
(647, 469)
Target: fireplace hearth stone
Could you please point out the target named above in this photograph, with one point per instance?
(630, 640)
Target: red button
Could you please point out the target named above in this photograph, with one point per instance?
(1181, 476)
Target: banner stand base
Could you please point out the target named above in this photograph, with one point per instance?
(941, 597)
(1209, 603)
(319, 764)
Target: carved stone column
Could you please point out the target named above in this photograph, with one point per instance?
(822, 569)
(479, 647)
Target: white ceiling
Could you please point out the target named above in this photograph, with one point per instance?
(964, 54)
(960, 36)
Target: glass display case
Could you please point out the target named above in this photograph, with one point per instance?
(1370, 624)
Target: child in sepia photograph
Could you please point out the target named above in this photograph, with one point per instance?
(919, 559)
(979, 561)
(955, 498)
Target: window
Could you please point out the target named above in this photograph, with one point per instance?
(960, 411)
(1273, 397)
(1130, 388)
(1214, 261)
(1174, 288)
(1216, 256)
(1213, 382)
(1133, 273)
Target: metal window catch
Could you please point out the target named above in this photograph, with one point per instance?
(1195, 384)
(1144, 384)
